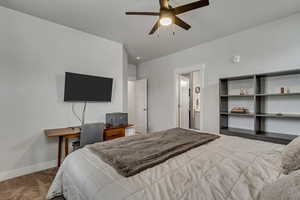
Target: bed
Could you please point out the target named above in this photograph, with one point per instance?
(229, 168)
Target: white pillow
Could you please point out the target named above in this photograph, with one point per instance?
(285, 188)
(290, 158)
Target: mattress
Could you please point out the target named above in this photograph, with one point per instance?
(229, 168)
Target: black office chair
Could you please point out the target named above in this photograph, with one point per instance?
(90, 134)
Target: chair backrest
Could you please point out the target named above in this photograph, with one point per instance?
(91, 133)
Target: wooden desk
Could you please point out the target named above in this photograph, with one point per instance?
(65, 134)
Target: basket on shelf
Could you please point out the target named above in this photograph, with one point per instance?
(239, 110)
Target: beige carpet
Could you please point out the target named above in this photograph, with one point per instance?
(30, 187)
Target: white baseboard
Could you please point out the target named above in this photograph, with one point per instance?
(26, 170)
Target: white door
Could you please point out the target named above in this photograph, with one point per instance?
(141, 116)
(131, 102)
(184, 102)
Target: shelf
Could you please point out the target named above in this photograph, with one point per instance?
(286, 137)
(260, 101)
(237, 114)
(274, 115)
(248, 95)
(279, 73)
(267, 115)
(235, 131)
(261, 135)
(279, 94)
(235, 78)
(263, 95)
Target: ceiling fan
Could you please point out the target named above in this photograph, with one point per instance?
(168, 14)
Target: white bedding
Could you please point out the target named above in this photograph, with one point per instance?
(229, 168)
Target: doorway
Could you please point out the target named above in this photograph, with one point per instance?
(138, 105)
(189, 95)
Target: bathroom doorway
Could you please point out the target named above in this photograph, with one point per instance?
(189, 109)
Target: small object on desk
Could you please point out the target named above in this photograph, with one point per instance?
(116, 119)
(282, 90)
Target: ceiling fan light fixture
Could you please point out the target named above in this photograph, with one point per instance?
(165, 21)
(168, 14)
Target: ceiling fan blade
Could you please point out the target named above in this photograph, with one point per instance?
(155, 27)
(164, 4)
(190, 6)
(181, 23)
(143, 13)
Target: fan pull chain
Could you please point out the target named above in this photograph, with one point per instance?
(173, 25)
(173, 29)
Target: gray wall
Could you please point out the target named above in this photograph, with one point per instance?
(34, 55)
(270, 47)
(131, 72)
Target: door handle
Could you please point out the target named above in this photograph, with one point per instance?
(145, 109)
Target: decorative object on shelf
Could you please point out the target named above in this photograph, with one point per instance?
(238, 109)
(282, 90)
(197, 98)
(287, 90)
(197, 90)
(243, 91)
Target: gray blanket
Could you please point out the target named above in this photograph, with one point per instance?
(131, 155)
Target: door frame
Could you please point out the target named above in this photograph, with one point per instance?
(177, 74)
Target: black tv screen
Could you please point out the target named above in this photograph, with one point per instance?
(79, 87)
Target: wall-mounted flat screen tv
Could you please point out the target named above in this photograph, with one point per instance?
(80, 87)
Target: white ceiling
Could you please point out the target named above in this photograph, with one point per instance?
(106, 18)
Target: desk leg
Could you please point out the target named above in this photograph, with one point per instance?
(66, 146)
(60, 140)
